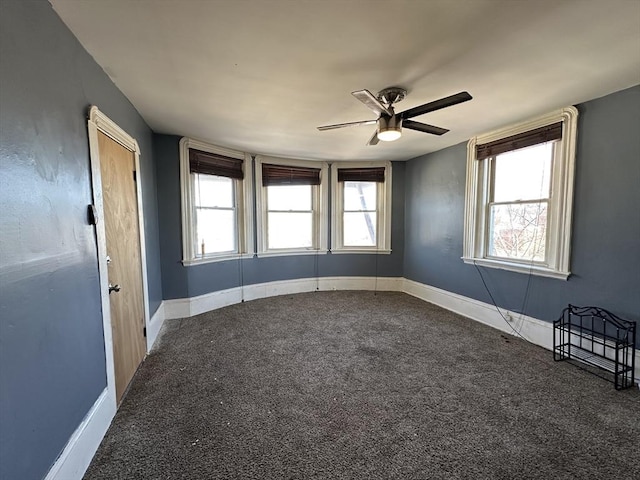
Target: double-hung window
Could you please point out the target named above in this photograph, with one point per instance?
(292, 206)
(361, 207)
(519, 196)
(214, 185)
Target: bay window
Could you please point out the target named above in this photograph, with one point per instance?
(291, 206)
(361, 207)
(216, 189)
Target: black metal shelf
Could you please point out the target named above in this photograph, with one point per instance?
(596, 337)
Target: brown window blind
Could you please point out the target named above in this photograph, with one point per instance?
(286, 175)
(544, 134)
(215, 164)
(375, 174)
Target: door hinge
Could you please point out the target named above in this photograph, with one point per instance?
(144, 332)
(92, 215)
(135, 179)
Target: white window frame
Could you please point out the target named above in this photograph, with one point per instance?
(560, 203)
(319, 203)
(243, 200)
(383, 209)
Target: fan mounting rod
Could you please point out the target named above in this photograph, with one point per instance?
(392, 95)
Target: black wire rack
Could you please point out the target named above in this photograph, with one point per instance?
(597, 338)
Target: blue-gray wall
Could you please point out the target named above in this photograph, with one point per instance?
(605, 253)
(52, 361)
(52, 364)
(180, 282)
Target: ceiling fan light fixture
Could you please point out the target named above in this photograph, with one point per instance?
(389, 129)
(389, 135)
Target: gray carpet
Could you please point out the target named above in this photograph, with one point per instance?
(352, 385)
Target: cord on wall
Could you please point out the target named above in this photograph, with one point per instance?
(375, 286)
(525, 298)
(527, 290)
(506, 320)
(315, 271)
(240, 264)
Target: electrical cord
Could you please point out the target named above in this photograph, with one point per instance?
(516, 332)
(375, 285)
(525, 298)
(240, 263)
(316, 269)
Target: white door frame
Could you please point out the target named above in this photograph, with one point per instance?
(99, 122)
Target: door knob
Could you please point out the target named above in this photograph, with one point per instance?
(114, 288)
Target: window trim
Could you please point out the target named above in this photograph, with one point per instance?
(383, 208)
(561, 200)
(244, 202)
(320, 208)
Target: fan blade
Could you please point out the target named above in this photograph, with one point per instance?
(366, 97)
(436, 105)
(373, 140)
(423, 127)
(350, 124)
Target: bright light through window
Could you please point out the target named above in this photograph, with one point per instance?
(517, 217)
(289, 216)
(360, 216)
(214, 201)
(523, 174)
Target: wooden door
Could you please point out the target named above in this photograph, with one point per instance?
(117, 171)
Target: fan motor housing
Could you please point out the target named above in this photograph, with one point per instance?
(392, 95)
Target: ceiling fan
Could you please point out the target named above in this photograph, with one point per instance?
(390, 123)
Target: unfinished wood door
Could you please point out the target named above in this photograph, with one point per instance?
(117, 171)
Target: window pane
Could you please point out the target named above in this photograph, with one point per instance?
(523, 174)
(289, 197)
(359, 229)
(289, 230)
(360, 195)
(213, 191)
(217, 229)
(518, 231)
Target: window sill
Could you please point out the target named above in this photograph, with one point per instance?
(517, 267)
(214, 259)
(340, 251)
(291, 252)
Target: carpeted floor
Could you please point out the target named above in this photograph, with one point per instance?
(352, 385)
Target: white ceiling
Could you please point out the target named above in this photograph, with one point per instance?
(261, 75)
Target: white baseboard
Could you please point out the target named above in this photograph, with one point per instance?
(538, 332)
(154, 325)
(188, 307)
(82, 445)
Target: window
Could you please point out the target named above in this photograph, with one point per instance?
(362, 207)
(519, 196)
(292, 206)
(216, 214)
(359, 217)
(215, 189)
